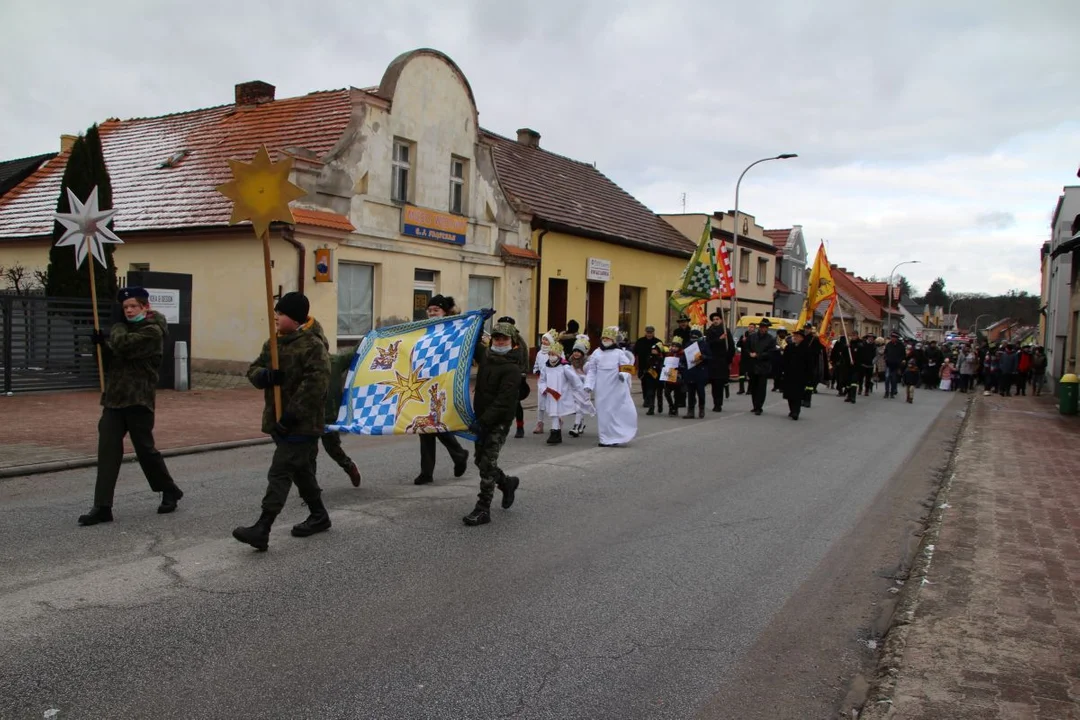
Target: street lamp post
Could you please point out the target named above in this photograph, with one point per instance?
(954, 323)
(977, 325)
(735, 234)
(888, 289)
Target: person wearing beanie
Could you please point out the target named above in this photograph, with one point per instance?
(497, 383)
(303, 377)
(440, 306)
(131, 354)
(523, 392)
(568, 338)
(608, 378)
(583, 404)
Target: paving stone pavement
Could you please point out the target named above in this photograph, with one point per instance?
(996, 632)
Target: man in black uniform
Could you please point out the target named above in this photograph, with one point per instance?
(682, 332)
(818, 358)
(722, 352)
(758, 351)
(132, 355)
(796, 369)
(642, 356)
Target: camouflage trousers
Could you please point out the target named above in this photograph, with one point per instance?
(487, 461)
(331, 442)
(292, 463)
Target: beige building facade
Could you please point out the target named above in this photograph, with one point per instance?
(403, 202)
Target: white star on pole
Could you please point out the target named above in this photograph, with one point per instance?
(86, 228)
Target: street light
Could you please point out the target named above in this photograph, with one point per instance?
(954, 323)
(977, 324)
(735, 235)
(888, 289)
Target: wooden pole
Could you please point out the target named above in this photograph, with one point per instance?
(270, 320)
(97, 326)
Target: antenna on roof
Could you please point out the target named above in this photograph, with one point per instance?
(684, 203)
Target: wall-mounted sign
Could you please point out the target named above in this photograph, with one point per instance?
(433, 225)
(166, 302)
(324, 265)
(598, 269)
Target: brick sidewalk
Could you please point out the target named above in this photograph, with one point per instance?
(996, 632)
(62, 426)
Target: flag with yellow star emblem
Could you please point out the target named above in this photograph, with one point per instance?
(412, 378)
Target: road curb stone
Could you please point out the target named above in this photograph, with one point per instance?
(879, 702)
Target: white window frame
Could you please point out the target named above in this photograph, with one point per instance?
(401, 171)
(494, 289)
(460, 166)
(762, 271)
(343, 271)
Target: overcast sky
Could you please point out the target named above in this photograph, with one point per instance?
(937, 131)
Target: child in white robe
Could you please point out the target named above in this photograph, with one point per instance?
(579, 361)
(556, 390)
(608, 376)
(547, 340)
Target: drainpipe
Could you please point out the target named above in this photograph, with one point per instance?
(539, 285)
(289, 236)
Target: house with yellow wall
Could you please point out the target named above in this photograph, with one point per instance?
(604, 258)
(403, 201)
(755, 273)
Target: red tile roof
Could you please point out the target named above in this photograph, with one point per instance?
(520, 252)
(878, 290)
(321, 218)
(848, 288)
(781, 286)
(572, 196)
(779, 237)
(150, 196)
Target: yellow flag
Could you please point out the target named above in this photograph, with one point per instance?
(820, 288)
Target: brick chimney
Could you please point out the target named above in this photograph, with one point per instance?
(67, 142)
(255, 92)
(528, 136)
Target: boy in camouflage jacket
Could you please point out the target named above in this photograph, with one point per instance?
(497, 385)
(132, 357)
(304, 377)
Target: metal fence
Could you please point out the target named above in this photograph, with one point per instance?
(45, 343)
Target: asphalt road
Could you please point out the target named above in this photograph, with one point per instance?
(723, 568)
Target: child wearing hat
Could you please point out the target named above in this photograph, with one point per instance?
(674, 390)
(132, 355)
(547, 341)
(911, 379)
(524, 390)
(497, 385)
(556, 388)
(651, 386)
(304, 378)
(608, 377)
(583, 404)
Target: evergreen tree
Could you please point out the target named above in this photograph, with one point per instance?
(85, 170)
(936, 295)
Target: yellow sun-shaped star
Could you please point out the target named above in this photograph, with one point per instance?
(261, 191)
(406, 387)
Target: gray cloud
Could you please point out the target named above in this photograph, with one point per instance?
(995, 220)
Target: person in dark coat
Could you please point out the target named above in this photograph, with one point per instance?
(440, 306)
(778, 358)
(895, 354)
(569, 337)
(759, 347)
(796, 363)
(131, 354)
(865, 354)
(841, 365)
(643, 357)
(818, 357)
(721, 353)
(744, 356)
(695, 378)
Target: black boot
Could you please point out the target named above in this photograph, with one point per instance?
(422, 479)
(318, 521)
(701, 411)
(258, 535)
(97, 514)
(520, 432)
(508, 485)
(650, 411)
(354, 474)
(461, 464)
(554, 437)
(169, 498)
(480, 515)
(689, 413)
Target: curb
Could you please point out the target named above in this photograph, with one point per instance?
(89, 461)
(879, 702)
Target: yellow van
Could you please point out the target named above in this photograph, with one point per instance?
(775, 324)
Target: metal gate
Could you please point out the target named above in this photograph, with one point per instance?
(45, 343)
